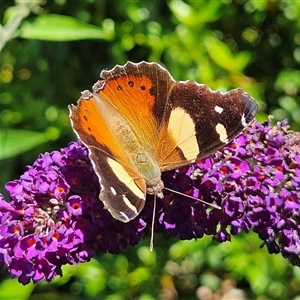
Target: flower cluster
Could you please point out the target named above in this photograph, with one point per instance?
(55, 217)
(255, 180)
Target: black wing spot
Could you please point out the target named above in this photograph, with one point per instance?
(142, 87)
(153, 90)
(130, 83)
(119, 88)
(85, 118)
(89, 129)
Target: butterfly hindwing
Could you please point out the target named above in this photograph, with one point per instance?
(122, 191)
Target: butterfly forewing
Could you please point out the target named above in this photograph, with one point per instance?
(123, 190)
(202, 121)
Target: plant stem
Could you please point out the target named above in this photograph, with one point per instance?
(18, 13)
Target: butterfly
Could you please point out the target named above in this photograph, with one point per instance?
(139, 122)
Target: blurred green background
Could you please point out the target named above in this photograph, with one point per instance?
(52, 50)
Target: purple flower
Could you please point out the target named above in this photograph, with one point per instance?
(55, 217)
(256, 181)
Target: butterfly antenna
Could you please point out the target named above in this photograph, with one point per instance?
(188, 196)
(152, 225)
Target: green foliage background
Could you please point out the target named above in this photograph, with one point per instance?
(52, 50)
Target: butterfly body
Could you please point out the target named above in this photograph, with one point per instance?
(139, 122)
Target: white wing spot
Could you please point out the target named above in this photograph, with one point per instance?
(113, 190)
(124, 216)
(124, 177)
(219, 109)
(128, 204)
(243, 120)
(221, 130)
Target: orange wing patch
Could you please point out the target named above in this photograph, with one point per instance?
(92, 127)
(132, 99)
(135, 90)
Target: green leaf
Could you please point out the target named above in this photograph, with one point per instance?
(64, 28)
(288, 103)
(16, 141)
(219, 52)
(11, 289)
(183, 12)
(222, 55)
(288, 81)
(188, 15)
(242, 59)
